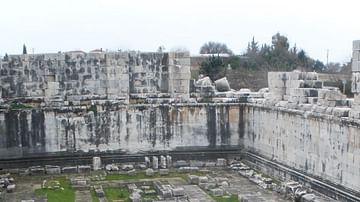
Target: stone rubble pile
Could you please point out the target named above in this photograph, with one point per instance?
(220, 91)
(7, 183)
(257, 178)
(80, 183)
(51, 184)
(303, 91)
(167, 192)
(99, 192)
(292, 190)
(215, 185)
(297, 192)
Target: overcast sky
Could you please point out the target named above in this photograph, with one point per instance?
(63, 25)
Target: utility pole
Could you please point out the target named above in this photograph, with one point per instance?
(327, 58)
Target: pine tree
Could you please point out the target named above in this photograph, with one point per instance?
(24, 49)
(6, 57)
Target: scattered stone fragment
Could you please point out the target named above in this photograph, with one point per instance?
(127, 167)
(267, 180)
(10, 188)
(135, 197)
(181, 163)
(70, 169)
(11, 180)
(178, 191)
(37, 170)
(131, 172)
(164, 171)
(149, 192)
(131, 187)
(142, 166)
(52, 170)
(203, 179)
(204, 82)
(222, 85)
(188, 169)
(207, 186)
(166, 193)
(224, 184)
(308, 198)
(149, 172)
(221, 162)
(84, 169)
(217, 192)
(193, 179)
(99, 191)
(145, 187)
(111, 167)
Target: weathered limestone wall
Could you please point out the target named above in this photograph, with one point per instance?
(65, 75)
(320, 145)
(131, 128)
(76, 76)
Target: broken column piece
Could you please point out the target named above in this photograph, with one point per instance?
(169, 161)
(147, 161)
(162, 161)
(222, 85)
(155, 162)
(96, 163)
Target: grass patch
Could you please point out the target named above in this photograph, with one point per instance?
(117, 194)
(232, 198)
(141, 175)
(94, 198)
(149, 195)
(19, 106)
(64, 194)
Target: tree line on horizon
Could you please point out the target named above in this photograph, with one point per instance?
(277, 56)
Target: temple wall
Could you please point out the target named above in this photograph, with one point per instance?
(319, 145)
(132, 128)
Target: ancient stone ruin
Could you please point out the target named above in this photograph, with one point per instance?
(132, 102)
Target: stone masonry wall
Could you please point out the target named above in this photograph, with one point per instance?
(132, 128)
(76, 76)
(320, 145)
